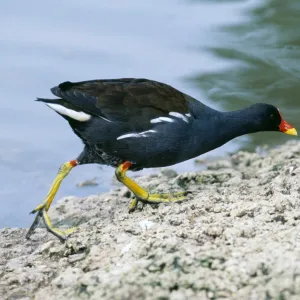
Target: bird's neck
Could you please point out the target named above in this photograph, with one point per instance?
(236, 123)
(221, 127)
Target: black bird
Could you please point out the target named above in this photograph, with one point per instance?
(139, 123)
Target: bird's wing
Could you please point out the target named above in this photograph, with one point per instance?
(134, 102)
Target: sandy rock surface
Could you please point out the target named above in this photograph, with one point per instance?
(236, 237)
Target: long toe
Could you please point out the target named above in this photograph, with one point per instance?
(34, 225)
(133, 205)
(164, 198)
(62, 235)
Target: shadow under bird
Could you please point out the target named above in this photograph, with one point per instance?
(133, 124)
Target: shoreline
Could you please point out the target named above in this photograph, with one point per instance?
(235, 237)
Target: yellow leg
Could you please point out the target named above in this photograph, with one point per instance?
(42, 209)
(140, 193)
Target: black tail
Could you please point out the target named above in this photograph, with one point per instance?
(61, 102)
(54, 101)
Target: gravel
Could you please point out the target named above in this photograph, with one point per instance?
(235, 237)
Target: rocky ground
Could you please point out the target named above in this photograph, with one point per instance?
(236, 237)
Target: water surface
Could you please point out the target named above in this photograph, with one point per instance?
(225, 53)
(264, 49)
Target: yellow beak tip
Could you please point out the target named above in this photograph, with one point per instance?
(291, 131)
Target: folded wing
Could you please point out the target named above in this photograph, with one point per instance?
(131, 102)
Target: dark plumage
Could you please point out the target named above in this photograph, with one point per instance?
(140, 123)
(127, 106)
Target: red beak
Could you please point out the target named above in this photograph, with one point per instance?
(286, 127)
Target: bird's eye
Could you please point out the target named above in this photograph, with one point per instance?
(272, 117)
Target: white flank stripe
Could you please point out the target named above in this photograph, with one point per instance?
(106, 119)
(76, 115)
(124, 136)
(141, 134)
(161, 119)
(166, 119)
(157, 120)
(178, 115)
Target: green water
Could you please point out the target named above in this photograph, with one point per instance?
(265, 51)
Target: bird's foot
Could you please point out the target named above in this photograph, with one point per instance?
(158, 198)
(140, 193)
(43, 208)
(62, 235)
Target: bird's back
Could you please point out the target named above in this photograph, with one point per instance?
(141, 120)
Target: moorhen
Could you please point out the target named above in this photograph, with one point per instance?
(133, 124)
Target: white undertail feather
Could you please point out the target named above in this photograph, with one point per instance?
(76, 115)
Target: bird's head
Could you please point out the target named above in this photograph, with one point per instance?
(270, 119)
